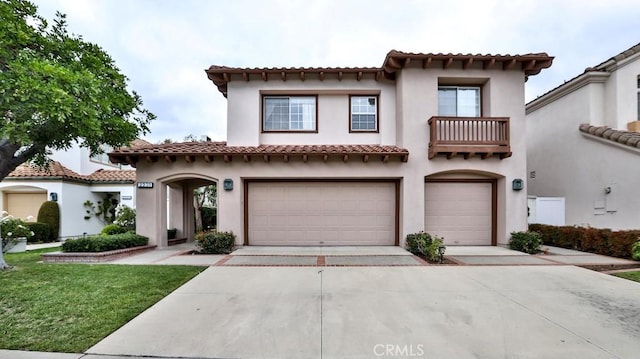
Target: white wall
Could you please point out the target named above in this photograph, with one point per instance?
(570, 164)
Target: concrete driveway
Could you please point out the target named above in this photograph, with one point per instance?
(389, 312)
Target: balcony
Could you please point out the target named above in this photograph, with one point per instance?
(469, 136)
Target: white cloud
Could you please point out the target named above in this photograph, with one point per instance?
(163, 46)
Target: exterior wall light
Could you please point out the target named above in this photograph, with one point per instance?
(517, 184)
(53, 196)
(227, 184)
(607, 190)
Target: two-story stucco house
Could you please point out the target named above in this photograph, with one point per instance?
(354, 156)
(583, 144)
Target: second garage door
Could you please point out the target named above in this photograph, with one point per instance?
(460, 212)
(321, 213)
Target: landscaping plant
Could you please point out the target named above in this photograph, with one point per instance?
(103, 243)
(424, 244)
(527, 242)
(41, 232)
(214, 242)
(635, 250)
(113, 228)
(126, 217)
(49, 213)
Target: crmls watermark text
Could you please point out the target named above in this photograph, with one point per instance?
(397, 350)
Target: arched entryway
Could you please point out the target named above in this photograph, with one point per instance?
(181, 196)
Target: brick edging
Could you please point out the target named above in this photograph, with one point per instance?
(99, 257)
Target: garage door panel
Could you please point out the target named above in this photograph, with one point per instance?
(459, 212)
(322, 213)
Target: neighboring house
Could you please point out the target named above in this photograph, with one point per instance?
(72, 179)
(354, 156)
(583, 144)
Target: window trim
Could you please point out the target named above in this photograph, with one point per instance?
(480, 88)
(377, 129)
(263, 107)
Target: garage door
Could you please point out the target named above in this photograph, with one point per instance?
(321, 213)
(460, 212)
(23, 205)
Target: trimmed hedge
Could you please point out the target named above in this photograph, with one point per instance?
(41, 232)
(587, 239)
(527, 242)
(214, 242)
(103, 243)
(113, 228)
(49, 213)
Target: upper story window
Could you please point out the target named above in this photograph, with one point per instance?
(459, 101)
(289, 113)
(104, 156)
(364, 114)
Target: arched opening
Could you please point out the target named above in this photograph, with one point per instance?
(190, 206)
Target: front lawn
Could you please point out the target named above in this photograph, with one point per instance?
(70, 307)
(634, 276)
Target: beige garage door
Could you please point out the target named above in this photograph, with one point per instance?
(22, 205)
(321, 213)
(461, 213)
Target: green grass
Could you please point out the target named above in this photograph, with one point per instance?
(70, 307)
(634, 276)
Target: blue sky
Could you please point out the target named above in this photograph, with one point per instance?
(163, 46)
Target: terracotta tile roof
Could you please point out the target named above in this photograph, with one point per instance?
(531, 64)
(627, 138)
(55, 169)
(111, 176)
(138, 142)
(130, 155)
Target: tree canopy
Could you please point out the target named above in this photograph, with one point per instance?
(57, 90)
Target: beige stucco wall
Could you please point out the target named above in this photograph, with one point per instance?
(578, 167)
(405, 107)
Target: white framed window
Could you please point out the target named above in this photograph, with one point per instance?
(364, 113)
(459, 101)
(104, 156)
(289, 113)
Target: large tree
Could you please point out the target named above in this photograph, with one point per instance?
(57, 90)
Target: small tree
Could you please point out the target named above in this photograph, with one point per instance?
(126, 217)
(49, 213)
(201, 196)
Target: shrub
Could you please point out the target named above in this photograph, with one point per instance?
(41, 232)
(424, 244)
(527, 242)
(113, 228)
(171, 233)
(635, 250)
(49, 213)
(214, 242)
(593, 240)
(126, 217)
(103, 243)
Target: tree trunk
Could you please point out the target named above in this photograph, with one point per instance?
(3, 264)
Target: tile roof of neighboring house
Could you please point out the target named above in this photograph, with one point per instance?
(56, 171)
(211, 149)
(631, 139)
(111, 176)
(138, 142)
(531, 64)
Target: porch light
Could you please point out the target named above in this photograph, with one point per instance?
(227, 184)
(517, 184)
(53, 196)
